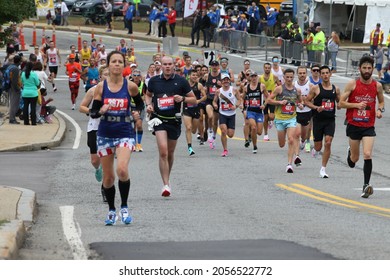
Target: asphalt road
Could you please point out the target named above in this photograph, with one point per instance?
(244, 206)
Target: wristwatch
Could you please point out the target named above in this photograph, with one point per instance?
(381, 109)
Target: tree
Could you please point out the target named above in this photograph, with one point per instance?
(14, 11)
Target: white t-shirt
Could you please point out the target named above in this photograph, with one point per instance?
(42, 76)
(64, 8)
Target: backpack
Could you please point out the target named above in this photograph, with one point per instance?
(6, 83)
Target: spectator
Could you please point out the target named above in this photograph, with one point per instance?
(152, 18)
(15, 37)
(333, 48)
(172, 20)
(225, 34)
(162, 27)
(234, 35)
(157, 21)
(107, 6)
(195, 30)
(64, 13)
(205, 24)
(129, 18)
(271, 21)
(213, 23)
(284, 36)
(49, 17)
(254, 17)
(296, 42)
(242, 28)
(14, 91)
(125, 6)
(42, 76)
(309, 47)
(30, 83)
(57, 17)
(318, 44)
(379, 60)
(376, 38)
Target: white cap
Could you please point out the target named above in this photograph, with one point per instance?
(195, 62)
(224, 76)
(133, 65)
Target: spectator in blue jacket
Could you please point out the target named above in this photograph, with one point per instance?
(129, 18)
(152, 17)
(254, 17)
(271, 21)
(213, 22)
(162, 27)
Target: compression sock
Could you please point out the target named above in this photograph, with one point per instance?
(367, 169)
(110, 195)
(124, 189)
(139, 136)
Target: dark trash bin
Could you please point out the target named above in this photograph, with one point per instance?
(358, 35)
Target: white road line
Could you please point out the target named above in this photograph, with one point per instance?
(72, 233)
(77, 139)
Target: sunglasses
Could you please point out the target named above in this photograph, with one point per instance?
(315, 70)
(246, 63)
(136, 75)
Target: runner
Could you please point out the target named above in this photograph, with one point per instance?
(213, 81)
(315, 77)
(256, 94)
(186, 69)
(224, 69)
(203, 120)
(92, 129)
(322, 99)
(163, 99)
(73, 70)
(137, 79)
(228, 100)
(286, 98)
(191, 111)
(122, 47)
(115, 135)
(270, 81)
(101, 55)
(91, 74)
(277, 70)
(359, 98)
(53, 60)
(242, 81)
(86, 54)
(303, 116)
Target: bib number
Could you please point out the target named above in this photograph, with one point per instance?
(288, 109)
(361, 115)
(166, 103)
(328, 105)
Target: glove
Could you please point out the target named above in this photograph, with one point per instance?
(153, 122)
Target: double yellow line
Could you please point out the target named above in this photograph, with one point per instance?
(336, 200)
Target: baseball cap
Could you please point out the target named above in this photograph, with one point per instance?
(195, 62)
(214, 63)
(72, 56)
(254, 73)
(133, 65)
(185, 53)
(224, 76)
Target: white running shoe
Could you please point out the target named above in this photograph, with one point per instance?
(323, 173)
(266, 138)
(289, 168)
(166, 191)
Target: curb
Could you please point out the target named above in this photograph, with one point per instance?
(13, 233)
(56, 141)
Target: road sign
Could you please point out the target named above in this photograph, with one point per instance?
(209, 56)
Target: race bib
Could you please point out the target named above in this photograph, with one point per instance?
(212, 90)
(73, 77)
(93, 82)
(166, 103)
(328, 105)
(117, 105)
(361, 115)
(53, 60)
(226, 106)
(288, 109)
(254, 103)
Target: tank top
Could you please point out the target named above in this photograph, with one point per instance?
(185, 72)
(102, 56)
(255, 98)
(52, 57)
(314, 82)
(115, 123)
(304, 92)
(197, 93)
(92, 77)
(287, 111)
(85, 56)
(325, 98)
(278, 74)
(270, 83)
(121, 49)
(367, 93)
(225, 108)
(212, 85)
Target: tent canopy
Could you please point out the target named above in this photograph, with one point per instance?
(381, 3)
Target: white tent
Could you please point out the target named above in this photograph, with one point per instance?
(353, 14)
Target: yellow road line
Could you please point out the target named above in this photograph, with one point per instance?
(336, 200)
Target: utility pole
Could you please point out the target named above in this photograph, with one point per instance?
(300, 14)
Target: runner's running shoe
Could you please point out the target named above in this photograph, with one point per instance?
(349, 161)
(247, 143)
(125, 217)
(289, 169)
(307, 147)
(224, 153)
(99, 174)
(111, 218)
(266, 138)
(191, 151)
(323, 173)
(367, 191)
(254, 150)
(302, 145)
(297, 161)
(166, 191)
(314, 153)
(270, 124)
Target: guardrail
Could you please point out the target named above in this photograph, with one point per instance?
(264, 48)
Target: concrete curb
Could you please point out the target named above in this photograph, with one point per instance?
(13, 233)
(56, 141)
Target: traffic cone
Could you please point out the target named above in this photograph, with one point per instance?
(79, 45)
(53, 37)
(34, 36)
(100, 41)
(21, 39)
(92, 33)
(158, 47)
(43, 36)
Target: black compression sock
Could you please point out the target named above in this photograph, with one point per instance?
(350, 162)
(124, 189)
(110, 195)
(367, 169)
